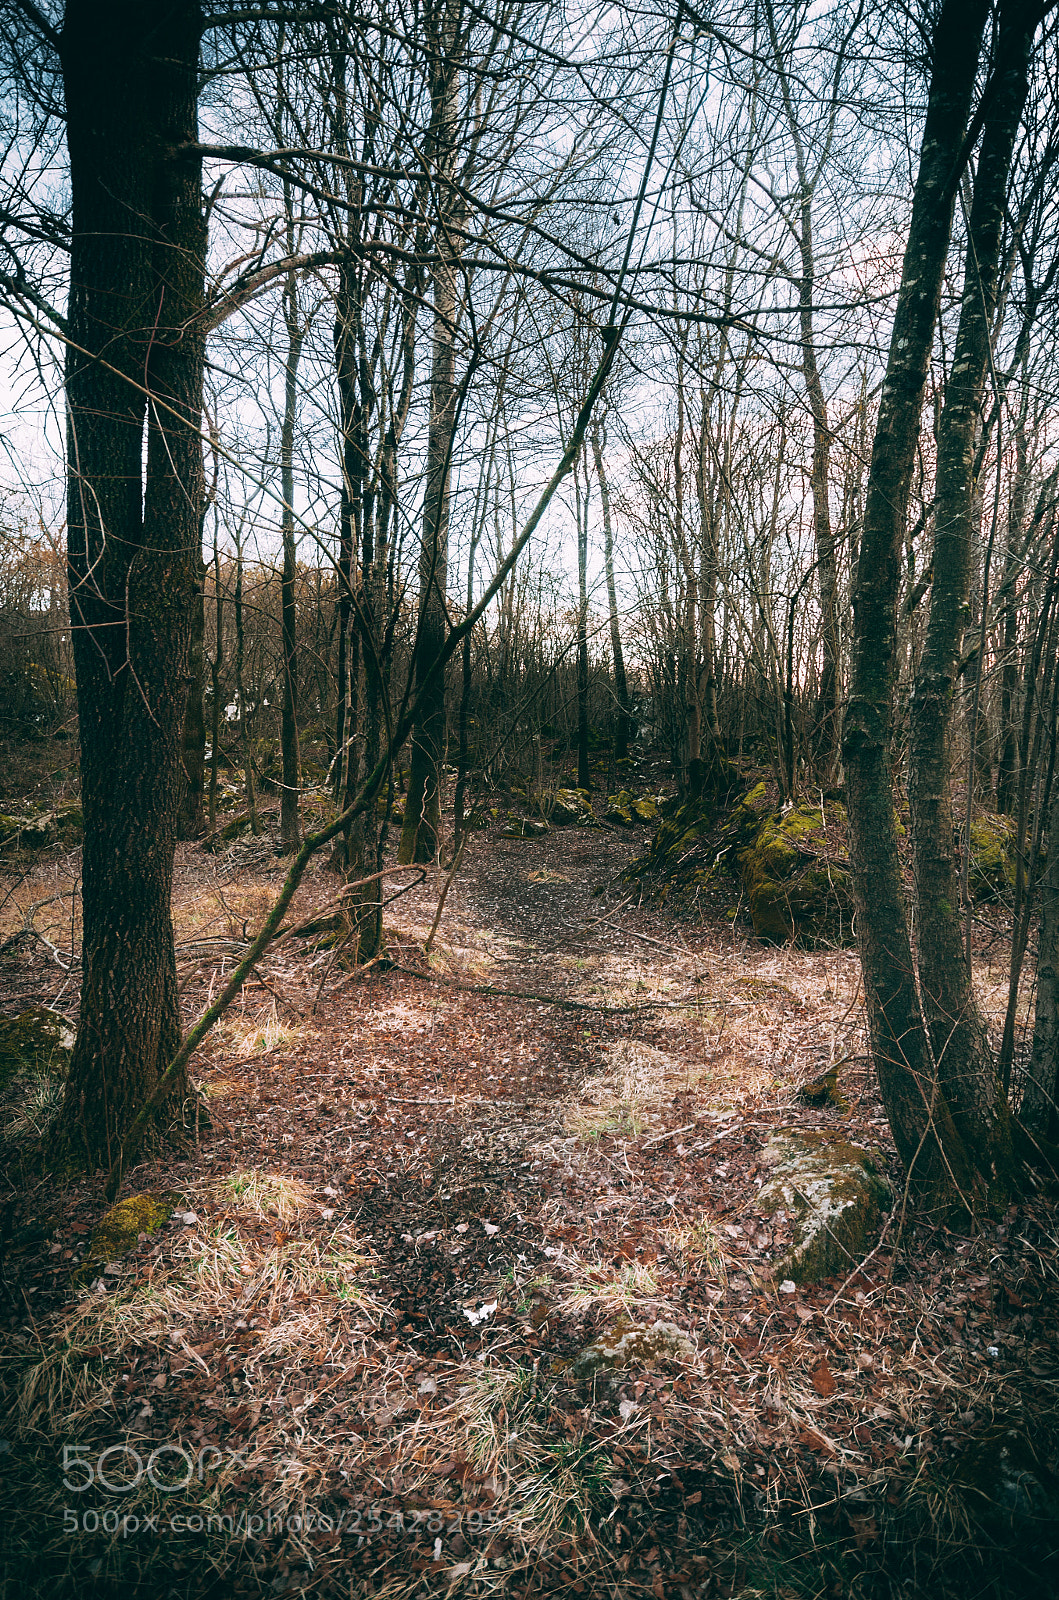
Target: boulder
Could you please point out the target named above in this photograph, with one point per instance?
(619, 809)
(118, 1231)
(992, 867)
(524, 828)
(38, 1039)
(646, 808)
(566, 806)
(833, 1194)
(794, 891)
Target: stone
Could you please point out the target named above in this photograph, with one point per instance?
(792, 893)
(619, 809)
(39, 1039)
(524, 828)
(115, 1234)
(631, 1344)
(832, 1191)
(566, 806)
(992, 867)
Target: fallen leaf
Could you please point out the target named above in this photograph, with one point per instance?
(822, 1378)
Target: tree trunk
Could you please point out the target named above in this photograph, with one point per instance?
(289, 831)
(1039, 1112)
(136, 299)
(623, 718)
(584, 773)
(420, 835)
(927, 1140)
(966, 1066)
(190, 822)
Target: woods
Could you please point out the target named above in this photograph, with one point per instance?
(439, 426)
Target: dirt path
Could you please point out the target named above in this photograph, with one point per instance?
(420, 1204)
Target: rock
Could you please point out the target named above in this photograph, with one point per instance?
(824, 1091)
(39, 1039)
(631, 1344)
(524, 828)
(992, 868)
(566, 806)
(792, 890)
(646, 808)
(116, 1233)
(834, 1194)
(619, 809)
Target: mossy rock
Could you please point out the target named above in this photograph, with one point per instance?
(824, 1091)
(566, 806)
(791, 893)
(992, 867)
(524, 828)
(833, 1192)
(619, 809)
(39, 1040)
(631, 1344)
(115, 1234)
(646, 808)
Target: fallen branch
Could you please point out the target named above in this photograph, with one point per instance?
(546, 999)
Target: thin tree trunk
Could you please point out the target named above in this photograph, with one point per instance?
(584, 773)
(1039, 1112)
(623, 719)
(289, 829)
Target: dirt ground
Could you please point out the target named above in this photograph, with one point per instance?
(428, 1187)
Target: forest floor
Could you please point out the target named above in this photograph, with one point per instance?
(360, 1333)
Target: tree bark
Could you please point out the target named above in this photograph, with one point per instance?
(961, 1048)
(927, 1140)
(134, 360)
(623, 717)
(289, 828)
(420, 835)
(1039, 1112)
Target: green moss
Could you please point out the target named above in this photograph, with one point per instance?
(619, 809)
(116, 1233)
(790, 893)
(646, 808)
(992, 865)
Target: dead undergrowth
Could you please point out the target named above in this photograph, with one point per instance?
(466, 1293)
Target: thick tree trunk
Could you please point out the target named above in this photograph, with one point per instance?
(136, 297)
(584, 772)
(190, 821)
(926, 1137)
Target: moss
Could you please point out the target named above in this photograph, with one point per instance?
(566, 806)
(646, 808)
(524, 828)
(117, 1232)
(833, 1193)
(38, 1039)
(824, 1091)
(992, 866)
(790, 893)
(619, 809)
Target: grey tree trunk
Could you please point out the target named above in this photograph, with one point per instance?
(966, 1066)
(928, 1142)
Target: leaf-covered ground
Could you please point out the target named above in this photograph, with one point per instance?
(429, 1187)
